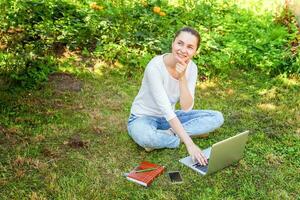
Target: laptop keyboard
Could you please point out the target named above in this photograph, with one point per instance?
(203, 168)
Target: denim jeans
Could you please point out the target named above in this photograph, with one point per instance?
(153, 132)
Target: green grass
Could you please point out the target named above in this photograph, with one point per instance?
(37, 130)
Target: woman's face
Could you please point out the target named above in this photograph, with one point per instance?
(184, 46)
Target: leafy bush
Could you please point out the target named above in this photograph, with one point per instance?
(131, 32)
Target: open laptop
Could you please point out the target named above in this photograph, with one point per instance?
(220, 155)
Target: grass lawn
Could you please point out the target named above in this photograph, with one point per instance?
(57, 143)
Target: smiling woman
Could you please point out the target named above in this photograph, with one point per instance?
(169, 78)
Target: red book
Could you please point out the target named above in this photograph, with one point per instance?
(145, 173)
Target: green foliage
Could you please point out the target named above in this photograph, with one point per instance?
(130, 32)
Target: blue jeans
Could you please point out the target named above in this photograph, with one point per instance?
(153, 132)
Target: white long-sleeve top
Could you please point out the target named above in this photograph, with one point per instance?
(159, 91)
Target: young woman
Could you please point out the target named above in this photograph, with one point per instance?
(169, 78)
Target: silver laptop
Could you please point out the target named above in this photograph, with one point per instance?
(220, 155)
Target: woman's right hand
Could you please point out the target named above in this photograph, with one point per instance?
(194, 151)
(196, 154)
(181, 68)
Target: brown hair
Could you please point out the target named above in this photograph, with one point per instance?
(191, 31)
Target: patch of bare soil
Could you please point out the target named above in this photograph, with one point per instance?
(63, 82)
(76, 142)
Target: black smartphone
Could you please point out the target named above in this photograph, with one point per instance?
(175, 177)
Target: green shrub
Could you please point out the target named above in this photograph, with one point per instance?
(130, 32)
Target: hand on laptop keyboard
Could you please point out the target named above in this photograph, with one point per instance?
(197, 154)
(199, 164)
(203, 168)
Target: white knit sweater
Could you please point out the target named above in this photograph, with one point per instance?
(160, 92)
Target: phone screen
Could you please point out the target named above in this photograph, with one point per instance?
(175, 177)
